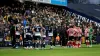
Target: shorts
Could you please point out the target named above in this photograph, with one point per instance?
(79, 38)
(71, 37)
(50, 34)
(43, 38)
(50, 38)
(17, 36)
(33, 37)
(76, 38)
(87, 38)
(36, 37)
(28, 37)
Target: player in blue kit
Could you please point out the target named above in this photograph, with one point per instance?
(17, 35)
(28, 38)
(37, 36)
(43, 36)
(50, 35)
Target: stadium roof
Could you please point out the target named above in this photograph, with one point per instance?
(88, 9)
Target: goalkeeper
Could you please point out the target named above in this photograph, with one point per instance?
(90, 35)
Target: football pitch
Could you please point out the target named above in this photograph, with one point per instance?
(57, 51)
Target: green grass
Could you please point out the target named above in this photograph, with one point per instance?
(57, 51)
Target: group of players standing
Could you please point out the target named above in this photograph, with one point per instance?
(75, 34)
(34, 36)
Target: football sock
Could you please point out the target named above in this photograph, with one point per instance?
(37, 45)
(51, 44)
(68, 43)
(44, 44)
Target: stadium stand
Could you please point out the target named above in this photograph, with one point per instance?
(91, 10)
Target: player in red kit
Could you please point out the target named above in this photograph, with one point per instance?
(75, 41)
(79, 37)
(87, 36)
(70, 32)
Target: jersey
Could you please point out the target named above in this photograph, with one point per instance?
(87, 32)
(17, 32)
(75, 32)
(33, 31)
(71, 32)
(27, 28)
(28, 36)
(37, 30)
(79, 32)
(90, 32)
(50, 32)
(27, 31)
(47, 29)
(43, 32)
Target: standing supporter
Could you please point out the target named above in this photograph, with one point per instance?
(5, 19)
